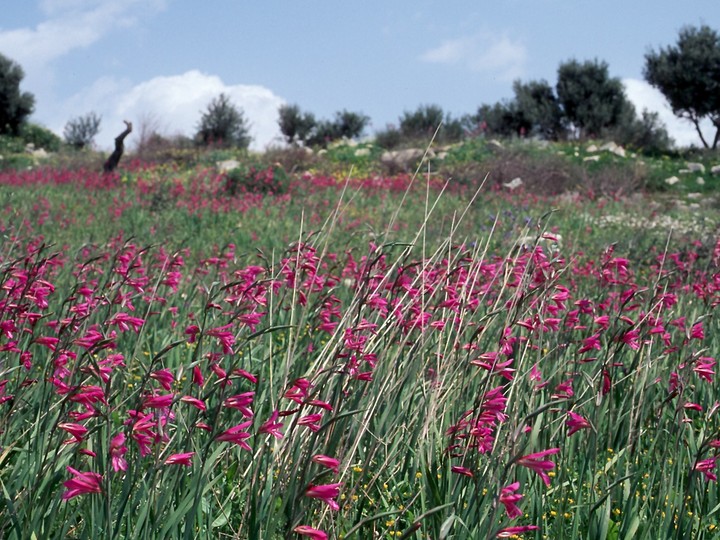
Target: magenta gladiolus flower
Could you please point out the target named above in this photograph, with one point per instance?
(311, 421)
(535, 463)
(117, 452)
(158, 402)
(271, 426)
(706, 466)
(77, 431)
(576, 422)
(180, 459)
(704, 368)
(327, 461)
(509, 532)
(164, 377)
(457, 469)
(508, 498)
(326, 493)
(313, 534)
(195, 402)
(237, 435)
(242, 403)
(81, 483)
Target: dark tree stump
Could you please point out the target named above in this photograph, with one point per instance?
(114, 159)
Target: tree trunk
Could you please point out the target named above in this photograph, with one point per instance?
(114, 159)
(699, 131)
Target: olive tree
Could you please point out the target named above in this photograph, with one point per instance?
(688, 75)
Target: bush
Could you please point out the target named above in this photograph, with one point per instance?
(255, 178)
(224, 124)
(81, 131)
(40, 137)
(15, 106)
(388, 138)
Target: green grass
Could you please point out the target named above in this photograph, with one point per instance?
(407, 311)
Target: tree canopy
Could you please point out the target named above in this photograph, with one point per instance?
(224, 124)
(15, 106)
(688, 75)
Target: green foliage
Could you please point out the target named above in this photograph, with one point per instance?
(40, 137)
(15, 106)
(590, 98)
(81, 131)
(389, 138)
(502, 119)
(224, 124)
(350, 125)
(295, 125)
(256, 178)
(536, 103)
(688, 75)
(646, 133)
(422, 123)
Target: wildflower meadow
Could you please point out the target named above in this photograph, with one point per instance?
(347, 356)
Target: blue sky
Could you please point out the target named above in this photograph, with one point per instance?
(158, 63)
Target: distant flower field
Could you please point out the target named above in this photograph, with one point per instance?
(384, 357)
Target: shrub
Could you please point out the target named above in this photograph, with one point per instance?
(15, 106)
(81, 131)
(255, 178)
(224, 124)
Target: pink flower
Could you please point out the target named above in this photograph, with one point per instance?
(697, 331)
(704, 368)
(509, 532)
(457, 469)
(706, 467)
(117, 452)
(271, 426)
(535, 463)
(164, 377)
(77, 431)
(89, 394)
(242, 403)
(158, 402)
(180, 459)
(313, 534)
(237, 435)
(508, 498)
(81, 483)
(325, 492)
(576, 422)
(195, 402)
(311, 421)
(327, 461)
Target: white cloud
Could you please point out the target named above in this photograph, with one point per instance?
(644, 96)
(174, 102)
(497, 55)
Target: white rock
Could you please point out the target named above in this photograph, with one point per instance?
(613, 148)
(715, 169)
(514, 183)
(700, 181)
(495, 143)
(441, 155)
(403, 157)
(672, 180)
(362, 152)
(694, 196)
(591, 158)
(695, 167)
(591, 149)
(40, 153)
(227, 165)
